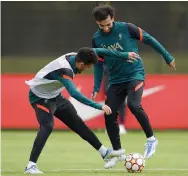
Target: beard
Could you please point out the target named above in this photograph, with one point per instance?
(107, 30)
(79, 71)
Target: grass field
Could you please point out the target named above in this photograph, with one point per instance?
(65, 154)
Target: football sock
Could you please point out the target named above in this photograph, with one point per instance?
(102, 150)
(30, 164)
(152, 138)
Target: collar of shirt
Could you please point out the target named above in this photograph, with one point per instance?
(72, 62)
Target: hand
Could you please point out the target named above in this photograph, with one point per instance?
(132, 56)
(172, 65)
(107, 109)
(93, 96)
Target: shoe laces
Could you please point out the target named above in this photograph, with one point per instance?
(35, 167)
(149, 145)
(107, 152)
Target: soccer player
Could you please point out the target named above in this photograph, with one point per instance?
(46, 99)
(126, 79)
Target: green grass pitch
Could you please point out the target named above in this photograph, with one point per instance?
(65, 154)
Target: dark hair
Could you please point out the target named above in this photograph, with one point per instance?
(87, 56)
(102, 12)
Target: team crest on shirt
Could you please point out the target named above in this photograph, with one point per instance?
(120, 36)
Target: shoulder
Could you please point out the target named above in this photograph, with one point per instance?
(128, 27)
(120, 24)
(67, 73)
(63, 61)
(124, 23)
(66, 70)
(65, 65)
(121, 27)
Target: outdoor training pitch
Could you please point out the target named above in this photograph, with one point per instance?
(66, 154)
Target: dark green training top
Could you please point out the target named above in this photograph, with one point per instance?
(123, 37)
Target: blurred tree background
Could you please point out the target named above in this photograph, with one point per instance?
(34, 33)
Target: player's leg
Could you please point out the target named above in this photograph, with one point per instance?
(134, 103)
(122, 114)
(115, 97)
(68, 115)
(46, 121)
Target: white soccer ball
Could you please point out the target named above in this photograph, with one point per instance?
(134, 162)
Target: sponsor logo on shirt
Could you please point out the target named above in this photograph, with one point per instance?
(114, 46)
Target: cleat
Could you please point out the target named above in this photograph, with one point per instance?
(33, 170)
(121, 158)
(150, 148)
(111, 163)
(110, 153)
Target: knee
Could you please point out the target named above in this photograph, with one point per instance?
(134, 107)
(48, 127)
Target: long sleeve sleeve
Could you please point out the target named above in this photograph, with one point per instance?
(98, 71)
(139, 34)
(98, 74)
(149, 40)
(70, 87)
(107, 52)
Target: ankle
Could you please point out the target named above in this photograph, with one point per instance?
(31, 163)
(152, 138)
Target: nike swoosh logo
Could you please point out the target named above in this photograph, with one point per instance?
(152, 90)
(87, 112)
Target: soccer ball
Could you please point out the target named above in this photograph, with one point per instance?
(134, 162)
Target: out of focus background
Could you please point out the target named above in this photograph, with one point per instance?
(35, 33)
